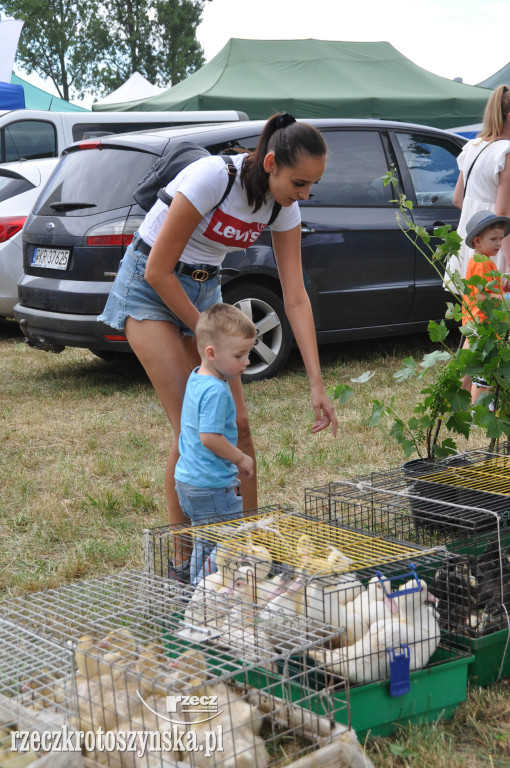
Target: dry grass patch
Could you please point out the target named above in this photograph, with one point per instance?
(84, 447)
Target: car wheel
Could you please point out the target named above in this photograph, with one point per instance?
(274, 336)
(123, 360)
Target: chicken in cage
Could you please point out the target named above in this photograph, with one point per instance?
(329, 574)
(143, 686)
(36, 691)
(392, 622)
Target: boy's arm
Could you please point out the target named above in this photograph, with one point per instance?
(221, 447)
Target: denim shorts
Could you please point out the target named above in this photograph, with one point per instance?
(132, 296)
(204, 506)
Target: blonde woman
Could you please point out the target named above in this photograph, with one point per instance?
(484, 179)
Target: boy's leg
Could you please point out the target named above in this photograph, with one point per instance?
(205, 506)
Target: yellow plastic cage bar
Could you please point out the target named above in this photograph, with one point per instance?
(492, 475)
(307, 545)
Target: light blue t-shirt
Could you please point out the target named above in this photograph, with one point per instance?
(208, 406)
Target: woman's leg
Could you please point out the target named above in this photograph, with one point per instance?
(159, 347)
(245, 443)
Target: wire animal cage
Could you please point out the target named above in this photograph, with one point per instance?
(275, 545)
(35, 696)
(464, 507)
(116, 659)
(289, 565)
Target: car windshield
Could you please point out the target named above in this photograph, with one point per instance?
(92, 181)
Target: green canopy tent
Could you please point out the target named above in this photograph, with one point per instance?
(319, 78)
(36, 98)
(501, 77)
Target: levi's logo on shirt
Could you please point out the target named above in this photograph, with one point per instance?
(228, 230)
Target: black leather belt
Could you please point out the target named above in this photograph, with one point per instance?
(198, 272)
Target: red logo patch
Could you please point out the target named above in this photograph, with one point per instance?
(230, 231)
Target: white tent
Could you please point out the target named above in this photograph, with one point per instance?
(136, 87)
(10, 30)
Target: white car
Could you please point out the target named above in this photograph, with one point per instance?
(20, 186)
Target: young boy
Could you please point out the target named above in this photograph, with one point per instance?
(485, 233)
(206, 474)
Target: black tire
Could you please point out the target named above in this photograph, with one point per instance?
(124, 360)
(274, 335)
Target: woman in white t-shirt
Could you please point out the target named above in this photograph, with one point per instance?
(156, 300)
(484, 179)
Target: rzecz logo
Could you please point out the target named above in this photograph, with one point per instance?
(188, 705)
(228, 230)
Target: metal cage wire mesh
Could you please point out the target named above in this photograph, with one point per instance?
(455, 507)
(345, 592)
(114, 653)
(282, 537)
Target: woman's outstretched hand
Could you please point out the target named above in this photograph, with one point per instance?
(324, 412)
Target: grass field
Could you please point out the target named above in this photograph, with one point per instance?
(83, 451)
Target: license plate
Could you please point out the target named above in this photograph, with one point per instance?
(52, 258)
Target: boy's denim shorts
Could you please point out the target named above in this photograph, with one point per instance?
(132, 296)
(204, 506)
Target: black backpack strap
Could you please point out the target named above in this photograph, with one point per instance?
(164, 196)
(232, 173)
(276, 210)
(471, 168)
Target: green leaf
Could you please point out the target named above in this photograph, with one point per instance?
(459, 422)
(453, 312)
(446, 447)
(342, 392)
(433, 358)
(378, 411)
(364, 377)
(399, 750)
(407, 371)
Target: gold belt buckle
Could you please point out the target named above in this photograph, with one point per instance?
(200, 275)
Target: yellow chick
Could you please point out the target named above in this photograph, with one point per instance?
(305, 550)
(229, 558)
(259, 557)
(120, 644)
(189, 671)
(150, 665)
(88, 658)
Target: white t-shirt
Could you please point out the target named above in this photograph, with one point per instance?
(231, 227)
(481, 191)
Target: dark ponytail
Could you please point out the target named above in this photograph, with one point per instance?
(287, 139)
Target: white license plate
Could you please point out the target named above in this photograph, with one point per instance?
(52, 258)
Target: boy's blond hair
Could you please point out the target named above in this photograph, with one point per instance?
(222, 320)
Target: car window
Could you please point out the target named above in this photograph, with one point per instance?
(28, 139)
(10, 187)
(248, 142)
(432, 163)
(91, 181)
(356, 163)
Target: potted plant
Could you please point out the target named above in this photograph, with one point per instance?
(444, 410)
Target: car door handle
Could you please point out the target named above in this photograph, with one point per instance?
(436, 224)
(307, 230)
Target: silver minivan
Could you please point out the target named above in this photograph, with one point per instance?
(29, 134)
